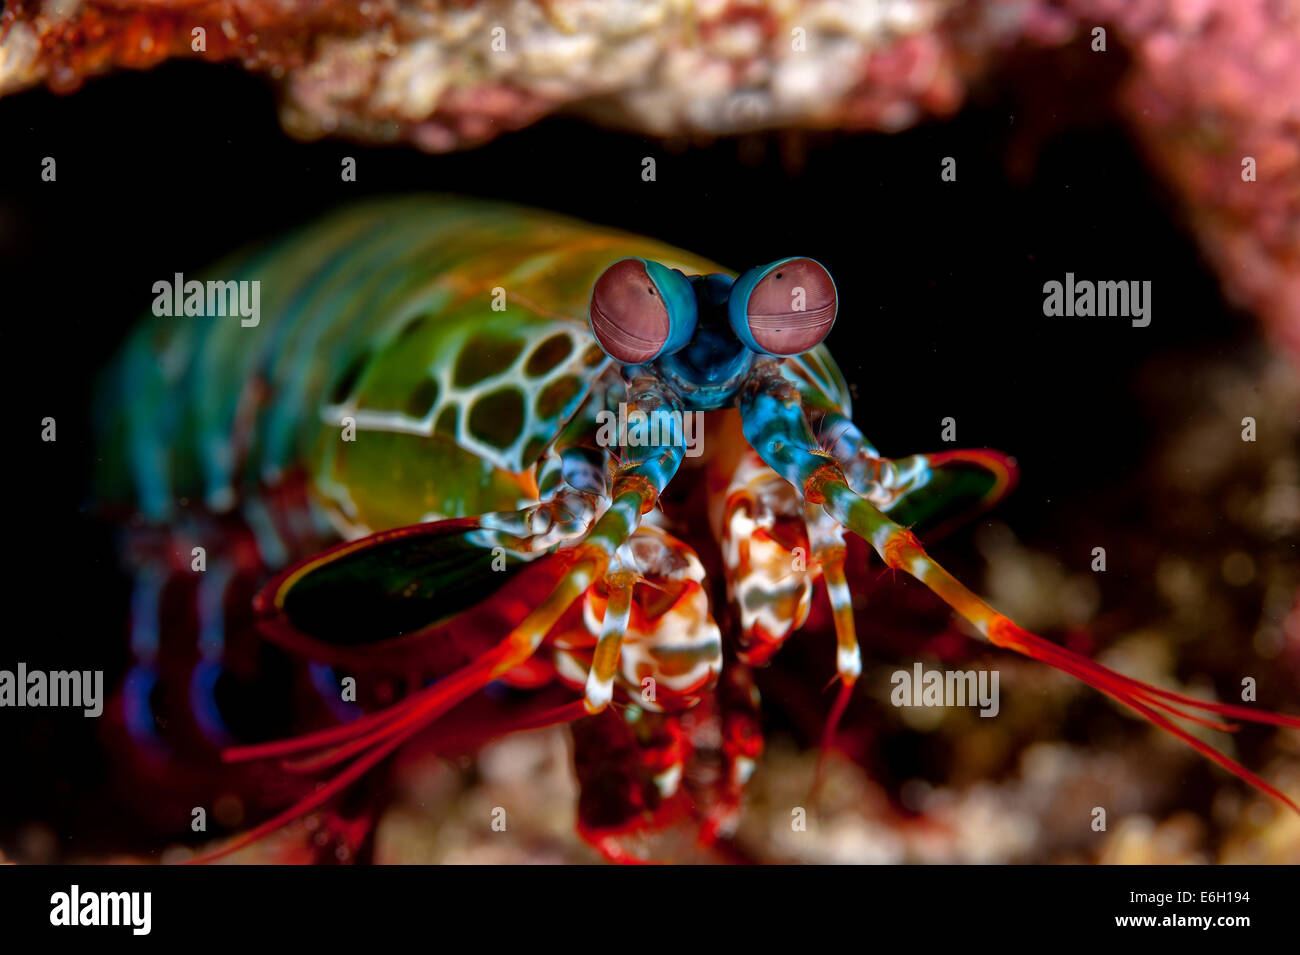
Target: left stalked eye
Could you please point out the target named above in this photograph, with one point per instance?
(784, 308)
(641, 310)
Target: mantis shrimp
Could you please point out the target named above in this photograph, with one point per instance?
(489, 406)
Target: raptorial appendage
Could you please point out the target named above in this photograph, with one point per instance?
(776, 426)
(589, 559)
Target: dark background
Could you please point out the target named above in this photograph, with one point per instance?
(940, 283)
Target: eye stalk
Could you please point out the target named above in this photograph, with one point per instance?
(784, 308)
(641, 310)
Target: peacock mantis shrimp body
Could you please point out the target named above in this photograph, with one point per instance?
(490, 406)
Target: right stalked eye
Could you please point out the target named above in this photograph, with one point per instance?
(641, 310)
(784, 308)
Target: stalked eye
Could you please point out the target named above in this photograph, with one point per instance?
(641, 310)
(784, 308)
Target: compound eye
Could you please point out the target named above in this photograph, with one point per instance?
(784, 308)
(641, 310)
